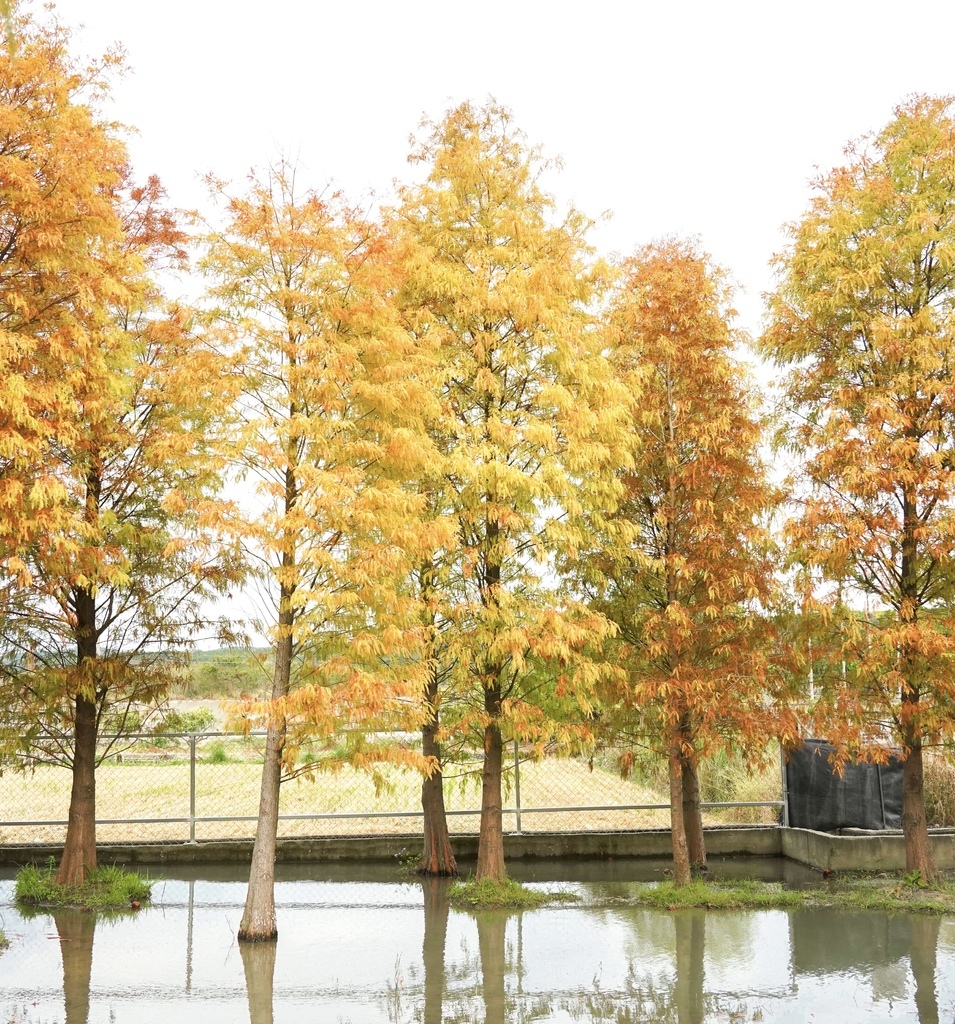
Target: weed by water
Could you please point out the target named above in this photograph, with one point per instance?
(856, 892)
(407, 861)
(106, 887)
(713, 895)
(507, 895)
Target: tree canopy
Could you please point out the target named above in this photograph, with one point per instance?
(864, 316)
(684, 565)
(503, 290)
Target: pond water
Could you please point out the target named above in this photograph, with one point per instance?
(364, 946)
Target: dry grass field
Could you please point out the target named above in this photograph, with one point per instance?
(160, 790)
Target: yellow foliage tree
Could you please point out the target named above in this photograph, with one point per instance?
(327, 431)
(501, 293)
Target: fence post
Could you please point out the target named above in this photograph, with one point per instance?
(784, 785)
(517, 789)
(192, 788)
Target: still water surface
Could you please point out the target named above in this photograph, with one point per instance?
(363, 947)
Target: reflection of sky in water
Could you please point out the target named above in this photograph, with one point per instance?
(747, 952)
(354, 951)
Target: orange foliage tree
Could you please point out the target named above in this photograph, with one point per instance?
(60, 166)
(97, 610)
(106, 398)
(502, 291)
(863, 316)
(684, 563)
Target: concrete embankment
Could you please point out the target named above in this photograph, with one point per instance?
(858, 850)
(855, 851)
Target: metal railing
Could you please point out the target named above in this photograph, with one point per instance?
(191, 787)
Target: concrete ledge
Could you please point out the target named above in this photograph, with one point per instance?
(861, 851)
(760, 841)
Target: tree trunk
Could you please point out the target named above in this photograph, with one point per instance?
(258, 919)
(692, 814)
(918, 849)
(258, 964)
(436, 909)
(437, 856)
(490, 862)
(79, 851)
(681, 857)
(75, 931)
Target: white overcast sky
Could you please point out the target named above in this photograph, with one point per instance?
(702, 118)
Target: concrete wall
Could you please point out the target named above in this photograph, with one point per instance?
(874, 851)
(763, 841)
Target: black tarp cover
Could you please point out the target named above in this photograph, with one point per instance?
(865, 795)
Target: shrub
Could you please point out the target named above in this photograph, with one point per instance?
(217, 753)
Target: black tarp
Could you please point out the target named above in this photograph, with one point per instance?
(865, 795)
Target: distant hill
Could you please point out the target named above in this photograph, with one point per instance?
(227, 672)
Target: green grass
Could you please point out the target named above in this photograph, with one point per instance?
(716, 895)
(105, 888)
(506, 895)
(4, 941)
(886, 892)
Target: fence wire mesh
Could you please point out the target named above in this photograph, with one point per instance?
(203, 787)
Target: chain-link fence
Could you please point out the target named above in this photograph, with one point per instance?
(179, 787)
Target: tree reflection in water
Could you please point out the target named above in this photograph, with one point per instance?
(436, 910)
(690, 942)
(682, 1001)
(75, 930)
(258, 963)
(924, 956)
(499, 1007)
(592, 964)
(486, 984)
(487, 988)
(475, 989)
(491, 929)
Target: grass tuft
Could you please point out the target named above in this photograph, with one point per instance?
(106, 887)
(715, 895)
(506, 895)
(880, 892)
(4, 941)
